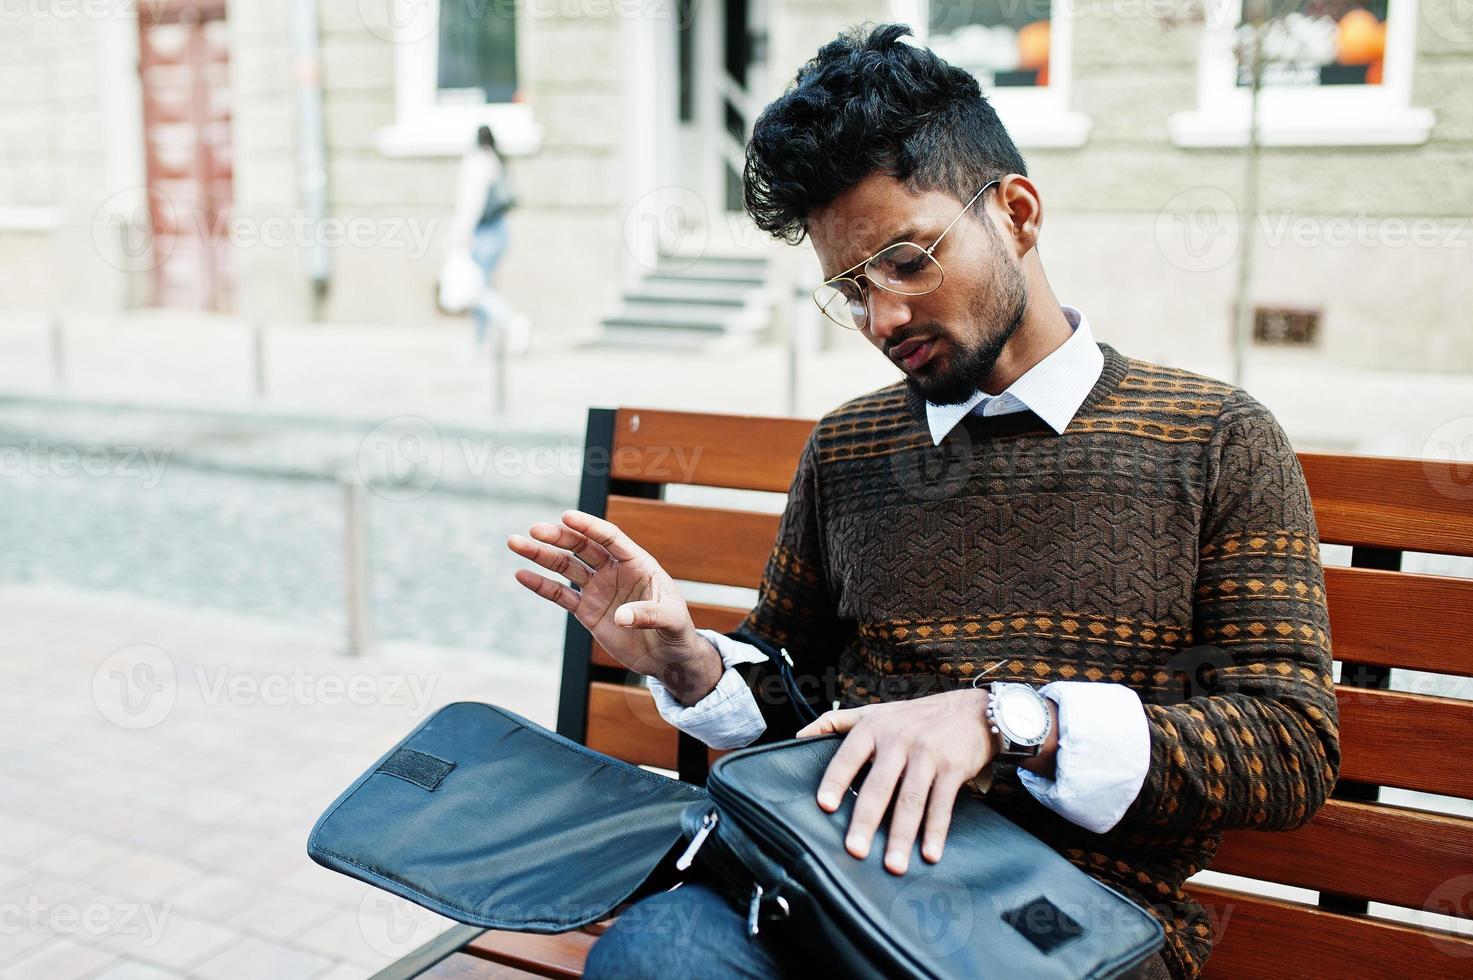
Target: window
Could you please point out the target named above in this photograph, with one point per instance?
(1020, 52)
(455, 69)
(1341, 42)
(477, 54)
(1335, 73)
(1003, 44)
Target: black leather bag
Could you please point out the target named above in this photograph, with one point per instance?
(1000, 903)
(492, 820)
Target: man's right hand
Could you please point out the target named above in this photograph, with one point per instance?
(624, 598)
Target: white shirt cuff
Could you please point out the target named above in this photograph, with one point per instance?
(1104, 754)
(728, 717)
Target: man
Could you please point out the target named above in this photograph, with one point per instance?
(1125, 548)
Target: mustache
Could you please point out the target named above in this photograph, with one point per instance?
(931, 330)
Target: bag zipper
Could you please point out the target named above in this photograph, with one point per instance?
(708, 824)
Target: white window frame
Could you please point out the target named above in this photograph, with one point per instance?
(1317, 115)
(422, 127)
(1035, 117)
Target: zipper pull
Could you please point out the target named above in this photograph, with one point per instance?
(708, 823)
(753, 909)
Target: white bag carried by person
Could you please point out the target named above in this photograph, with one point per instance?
(461, 281)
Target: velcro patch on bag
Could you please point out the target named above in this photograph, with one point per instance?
(423, 770)
(1044, 924)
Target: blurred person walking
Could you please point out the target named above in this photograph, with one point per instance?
(478, 231)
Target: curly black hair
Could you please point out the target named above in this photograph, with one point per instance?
(869, 102)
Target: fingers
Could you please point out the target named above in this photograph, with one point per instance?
(548, 589)
(591, 553)
(553, 559)
(874, 798)
(938, 816)
(614, 541)
(853, 753)
(910, 807)
(837, 721)
(647, 615)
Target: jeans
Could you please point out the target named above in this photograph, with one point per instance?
(692, 931)
(695, 931)
(488, 244)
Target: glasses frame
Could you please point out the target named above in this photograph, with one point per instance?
(863, 281)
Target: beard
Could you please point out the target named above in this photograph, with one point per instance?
(957, 378)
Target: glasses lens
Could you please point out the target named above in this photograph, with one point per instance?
(905, 268)
(843, 302)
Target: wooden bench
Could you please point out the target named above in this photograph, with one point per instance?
(1356, 850)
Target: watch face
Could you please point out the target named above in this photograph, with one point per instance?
(1023, 714)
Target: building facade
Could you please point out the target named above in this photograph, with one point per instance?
(296, 160)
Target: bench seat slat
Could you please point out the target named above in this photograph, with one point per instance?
(1345, 849)
(559, 955)
(463, 966)
(1260, 938)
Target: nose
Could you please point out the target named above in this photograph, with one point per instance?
(887, 312)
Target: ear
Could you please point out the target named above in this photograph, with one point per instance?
(1022, 212)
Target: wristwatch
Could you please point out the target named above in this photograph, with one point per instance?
(1019, 716)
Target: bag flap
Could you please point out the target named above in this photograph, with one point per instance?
(1000, 902)
(492, 820)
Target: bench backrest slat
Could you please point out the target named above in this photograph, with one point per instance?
(1383, 502)
(1379, 619)
(699, 544)
(1271, 939)
(1363, 850)
(1396, 619)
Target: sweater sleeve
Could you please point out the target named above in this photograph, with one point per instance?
(1245, 731)
(796, 610)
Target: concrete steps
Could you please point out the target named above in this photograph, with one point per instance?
(711, 301)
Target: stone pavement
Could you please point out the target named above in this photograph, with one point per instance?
(162, 768)
(380, 372)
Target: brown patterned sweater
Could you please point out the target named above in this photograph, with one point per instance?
(1164, 540)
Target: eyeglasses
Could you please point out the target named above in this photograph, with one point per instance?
(903, 268)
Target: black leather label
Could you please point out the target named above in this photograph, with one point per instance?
(423, 770)
(1044, 924)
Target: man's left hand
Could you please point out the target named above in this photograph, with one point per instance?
(928, 747)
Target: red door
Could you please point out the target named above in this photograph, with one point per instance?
(184, 63)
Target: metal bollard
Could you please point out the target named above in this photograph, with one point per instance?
(498, 367)
(357, 566)
(58, 351)
(258, 359)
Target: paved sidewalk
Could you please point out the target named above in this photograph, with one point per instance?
(162, 768)
(374, 373)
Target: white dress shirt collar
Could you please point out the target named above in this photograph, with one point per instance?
(1053, 389)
